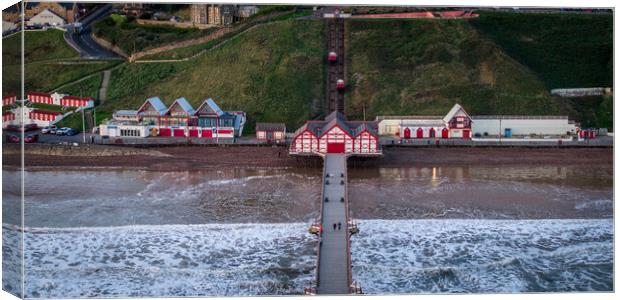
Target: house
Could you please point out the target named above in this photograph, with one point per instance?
(47, 18)
(66, 10)
(135, 9)
(271, 132)
(180, 113)
(336, 135)
(214, 14)
(152, 110)
(245, 11)
(225, 123)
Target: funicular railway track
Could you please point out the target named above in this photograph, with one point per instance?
(335, 43)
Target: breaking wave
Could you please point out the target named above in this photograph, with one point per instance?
(389, 256)
(477, 256)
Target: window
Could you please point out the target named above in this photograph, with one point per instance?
(130, 132)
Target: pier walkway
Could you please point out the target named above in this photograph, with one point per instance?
(334, 273)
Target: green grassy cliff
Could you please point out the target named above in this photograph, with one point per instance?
(495, 64)
(273, 72)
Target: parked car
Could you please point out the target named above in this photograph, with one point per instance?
(30, 127)
(71, 132)
(12, 128)
(48, 129)
(27, 127)
(10, 138)
(65, 130)
(61, 131)
(32, 138)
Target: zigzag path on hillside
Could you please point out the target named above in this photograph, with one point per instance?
(202, 40)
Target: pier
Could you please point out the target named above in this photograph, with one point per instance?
(334, 262)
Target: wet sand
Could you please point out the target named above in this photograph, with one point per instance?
(255, 184)
(197, 158)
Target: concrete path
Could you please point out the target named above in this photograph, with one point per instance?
(103, 90)
(334, 253)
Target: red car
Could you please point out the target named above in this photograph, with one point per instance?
(27, 127)
(33, 138)
(30, 127)
(12, 138)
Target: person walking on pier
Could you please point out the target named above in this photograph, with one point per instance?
(334, 226)
(339, 225)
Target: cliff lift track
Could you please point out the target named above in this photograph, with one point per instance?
(335, 43)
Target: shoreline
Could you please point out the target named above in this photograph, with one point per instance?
(205, 158)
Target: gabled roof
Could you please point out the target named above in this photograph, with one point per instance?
(68, 97)
(45, 111)
(51, 12)
(184, 104)
(38, 94)
(352, 128)
(126, 113)
(156, 103)
(209, 107)
(270, 127)
(455, 109)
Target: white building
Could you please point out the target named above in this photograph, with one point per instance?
(47, 17)
(523, 125)
(458, 124)
(8, 26)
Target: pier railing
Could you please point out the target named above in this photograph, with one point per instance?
(347, 218)
(318, 252)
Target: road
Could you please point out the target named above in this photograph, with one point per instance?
(83, 42)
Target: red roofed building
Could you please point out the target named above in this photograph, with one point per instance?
(76, 101)
(43, 115)
(9, 100)
(8, 116)
(336, 135)
(60, 99)
(37, 97)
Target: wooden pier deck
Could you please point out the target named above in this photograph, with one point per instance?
(334, 274)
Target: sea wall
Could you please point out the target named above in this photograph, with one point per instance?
(81, 150)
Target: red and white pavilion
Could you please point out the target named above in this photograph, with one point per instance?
(336, 135)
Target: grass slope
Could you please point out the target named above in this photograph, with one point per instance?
(46, 76)
(274, 74)
(401, 67)
(565, 50)
(38, 45)
(132, 37)
(50, 62)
